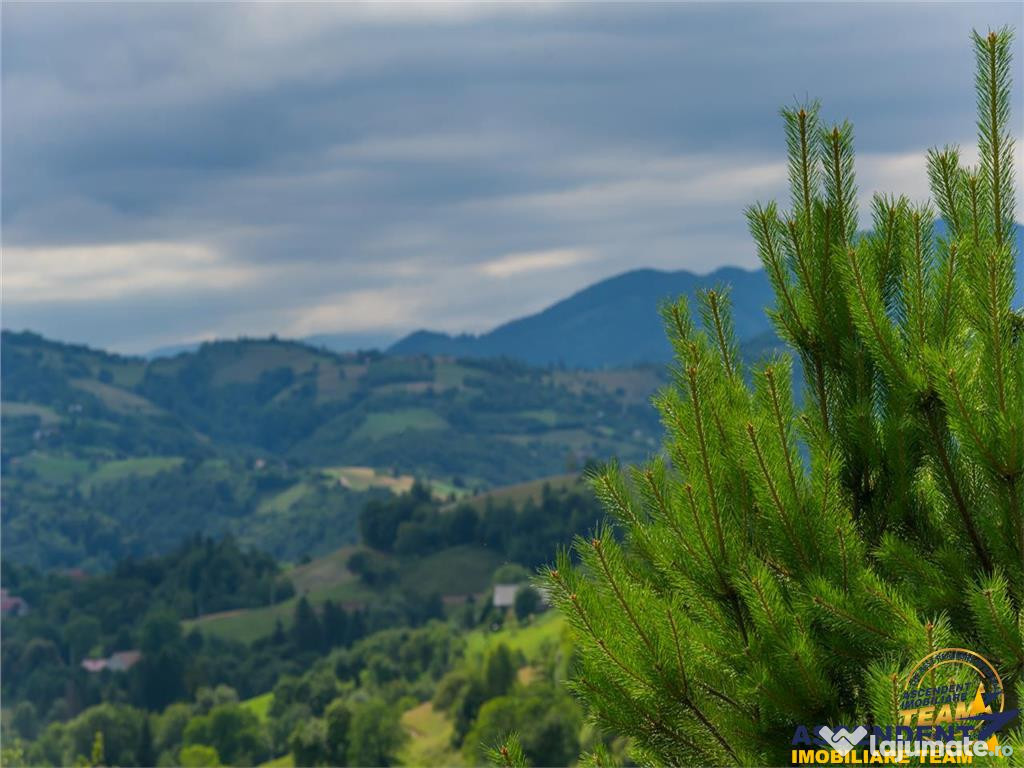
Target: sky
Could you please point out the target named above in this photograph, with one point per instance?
(180, 172)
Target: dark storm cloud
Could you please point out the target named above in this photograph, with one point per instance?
(177, 171)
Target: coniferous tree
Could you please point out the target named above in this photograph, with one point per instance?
(786, 564)
(307, 631)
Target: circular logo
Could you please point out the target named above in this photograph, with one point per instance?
(953, 685)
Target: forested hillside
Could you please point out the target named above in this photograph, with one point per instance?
(389, 651)
(277, 443)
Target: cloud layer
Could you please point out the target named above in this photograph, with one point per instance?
(181, 171)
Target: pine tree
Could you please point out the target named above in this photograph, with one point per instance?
(785, 564)
(307, 631)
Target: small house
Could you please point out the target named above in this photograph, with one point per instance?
(505, 595)
(119, 661)
(122, 661)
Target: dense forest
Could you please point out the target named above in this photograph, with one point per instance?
(344, 670)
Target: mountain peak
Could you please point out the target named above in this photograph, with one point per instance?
(611, 323)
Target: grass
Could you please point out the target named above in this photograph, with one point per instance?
(450, 375)
(634, 386)
(324, 572)
(284, 761)
(365, 478)
(430, 731)
(382, 424)
(531, 491)
(122, 468)
(57, 470)
(247, 625)
(126, 374)
(533, 639)
(333, 384)
(283, 501)
(47, 416)
(444, 490)
(547, 416)
(115, 398)
(454, 571)
(243, 625)
(257, 357)
(430, 734)
(259, 705)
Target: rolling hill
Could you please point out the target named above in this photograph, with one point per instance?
(277, 443)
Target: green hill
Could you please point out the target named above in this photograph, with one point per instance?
(277, 443)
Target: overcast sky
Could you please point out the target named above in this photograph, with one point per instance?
(182, 172)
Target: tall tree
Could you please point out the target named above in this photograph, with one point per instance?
(307, 631)
(787, 564)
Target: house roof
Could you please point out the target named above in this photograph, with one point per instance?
(121, 660)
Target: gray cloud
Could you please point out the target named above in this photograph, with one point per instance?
(317, 168)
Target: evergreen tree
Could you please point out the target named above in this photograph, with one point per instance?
(307, 631)
(144, 753)
(499, 672)
(786, 564)
(335, 625)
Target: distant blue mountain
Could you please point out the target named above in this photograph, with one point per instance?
(615, 322)
(612, 323)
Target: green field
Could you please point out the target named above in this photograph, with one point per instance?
(430, 735)
(430, 731)
(248, 625)
(283, 501)
(454, 571)
(364, 478)
(531, 491)
(323, 572)
(46, 415)
(246, 364)
(116, 399)
(259, 705)
(546, 631)
(381, 424)
(443, 490)
(285, 761)
(56, 470)
(450, 374)
(120, 469)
